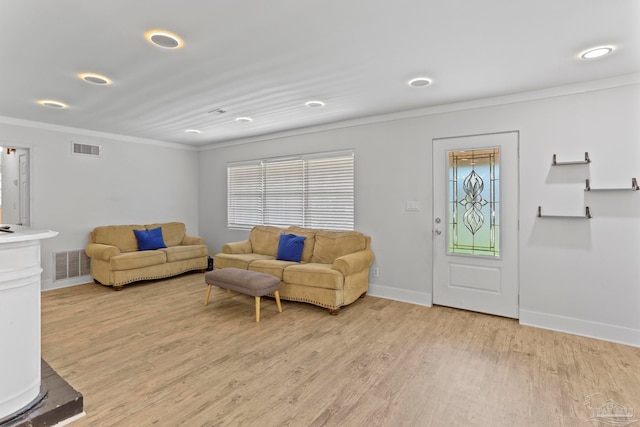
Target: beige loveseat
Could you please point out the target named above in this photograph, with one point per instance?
(116, 260)
(333, 271)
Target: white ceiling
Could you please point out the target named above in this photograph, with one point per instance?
(265, 59)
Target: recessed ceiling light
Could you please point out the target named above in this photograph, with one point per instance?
(51, 103)
(96, 79)
(192, 131)
(164, 39)
(596, 52)
(244, 119)
(314, 104)
(419, 82)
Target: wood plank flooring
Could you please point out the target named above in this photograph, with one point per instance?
(154, 355)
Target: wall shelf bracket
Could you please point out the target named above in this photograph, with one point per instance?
(586, 161)
(634, 187)
(587, 214)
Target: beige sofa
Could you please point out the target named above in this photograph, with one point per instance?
(333, 271)
(116, 260)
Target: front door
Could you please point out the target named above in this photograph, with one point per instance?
(475, 229)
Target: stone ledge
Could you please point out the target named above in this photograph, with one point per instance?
(58, 401)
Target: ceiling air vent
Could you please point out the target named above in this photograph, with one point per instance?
(85, 149)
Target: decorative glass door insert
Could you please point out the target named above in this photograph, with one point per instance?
(474, 202)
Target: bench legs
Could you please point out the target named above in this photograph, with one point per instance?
(206, 297)
(276, 294)
(257, 309)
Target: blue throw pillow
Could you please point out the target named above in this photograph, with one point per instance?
(290, 247)
(149, 239)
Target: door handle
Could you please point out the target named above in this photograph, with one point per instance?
(437, 232)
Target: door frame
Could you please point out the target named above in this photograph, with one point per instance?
(29, 152)
(24, 188)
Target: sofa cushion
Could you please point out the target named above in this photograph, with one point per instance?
(273, 267)
(315, 275)
(149, 240)
(264, 240)
(290, 247)
(131, 260)
(309, 242)
(120, 236)
(172, 232)
(179, 253)
(333, 244)
(237, 260)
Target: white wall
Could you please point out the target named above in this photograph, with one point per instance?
(580, 276)
(130, 183)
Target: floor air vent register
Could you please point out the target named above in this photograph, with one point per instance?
(71, 264)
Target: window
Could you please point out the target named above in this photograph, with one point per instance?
(474, 202)
(310, 191)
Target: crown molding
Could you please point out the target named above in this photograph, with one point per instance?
(92, 133)
(554, 92)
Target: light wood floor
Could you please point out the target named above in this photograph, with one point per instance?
(153, 354)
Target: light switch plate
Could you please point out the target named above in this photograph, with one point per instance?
(412, 205)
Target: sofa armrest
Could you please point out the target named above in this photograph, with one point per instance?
(192, 240)
(101, 252)
(242, 247)
(352, 263)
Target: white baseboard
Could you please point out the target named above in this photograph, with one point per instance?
(402, 295)
(585, 328)
(569, 325)
(48, 284)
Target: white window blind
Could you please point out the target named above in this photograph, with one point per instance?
(310, 191)
(284, 193)
(330, 195)
(244, 195)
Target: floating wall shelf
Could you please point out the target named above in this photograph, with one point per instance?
(587, 214)
(586, 161)
(634, 187)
